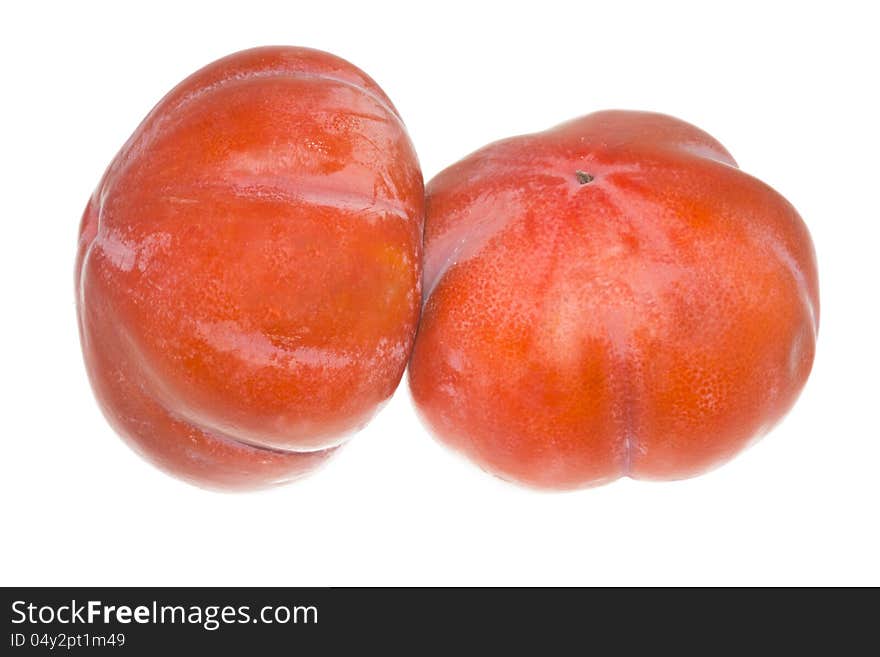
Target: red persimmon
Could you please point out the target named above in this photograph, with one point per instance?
(612, 297)
(248, 270)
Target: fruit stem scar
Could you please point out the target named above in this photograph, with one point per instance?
(583, 177)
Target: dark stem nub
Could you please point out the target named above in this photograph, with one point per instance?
(583, 177)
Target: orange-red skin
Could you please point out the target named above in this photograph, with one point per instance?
(649, 323)
(248, 273)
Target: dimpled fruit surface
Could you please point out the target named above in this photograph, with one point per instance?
(612, 297)
(248, 271)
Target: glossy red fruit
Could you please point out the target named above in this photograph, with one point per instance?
(613, 297)
(248, 272)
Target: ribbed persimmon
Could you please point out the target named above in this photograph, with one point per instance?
(248, 271)
(611, 297)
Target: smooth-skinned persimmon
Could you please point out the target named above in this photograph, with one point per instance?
(248, 270)
(612, 297)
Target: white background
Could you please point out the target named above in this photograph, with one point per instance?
(790, 89)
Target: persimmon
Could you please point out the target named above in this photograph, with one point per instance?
(612, 297)
(248, 270)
